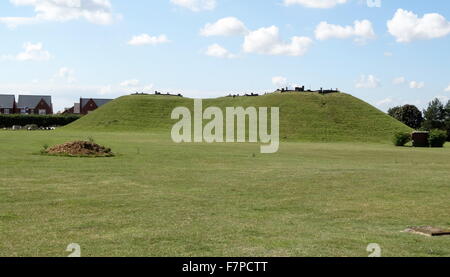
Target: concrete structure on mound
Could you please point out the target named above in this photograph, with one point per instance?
(302, 89)
(161, 93)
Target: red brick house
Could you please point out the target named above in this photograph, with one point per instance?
(34, 104)
(7, 104)
(91, 104)
(87, 105)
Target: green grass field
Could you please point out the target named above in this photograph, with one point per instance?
(156, 198)
(336, 185)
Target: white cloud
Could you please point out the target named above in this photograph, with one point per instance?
(94, 11)
(130, 83)
(416, 85)
(148, 88)
(146, 39)
(105, 90)
(196, 5)
(218, 51)
(130, 86)
(361, 31)
(411, 84)
(388, 54)
(67, 74)
(32, 52)
(13, 22)
(399, 80)
(280, 81)
(369, 81)
(267, 41)
(320, 4)
(228, 26)
(447, 89)
(385, 102)
(406, 26)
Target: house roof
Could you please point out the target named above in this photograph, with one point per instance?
(7, 101)
(31, 101)
(98, 102)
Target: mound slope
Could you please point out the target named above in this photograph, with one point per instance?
(303, 116)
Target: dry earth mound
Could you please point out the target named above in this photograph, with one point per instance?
(80, 148)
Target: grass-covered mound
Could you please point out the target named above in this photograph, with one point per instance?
(79, 149)
(303, 116)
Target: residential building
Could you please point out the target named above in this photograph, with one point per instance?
(86, 105)
(7, 104)
(34, 104)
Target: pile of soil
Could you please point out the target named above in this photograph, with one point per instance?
(80, 148)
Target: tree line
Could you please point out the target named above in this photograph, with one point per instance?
(435, 117)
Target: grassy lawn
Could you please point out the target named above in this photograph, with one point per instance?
(156, 198)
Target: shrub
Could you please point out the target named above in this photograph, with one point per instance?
(400, 139)
(437, 138)
(44, 148)
(7, 121)
(31, 127)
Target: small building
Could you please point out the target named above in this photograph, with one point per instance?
(300, 89)
(86, 105)
(34, 104)
(7, 104)
(420, 139)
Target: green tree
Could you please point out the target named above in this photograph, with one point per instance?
(447, 119)
(395, 112)
(434, 116)
(410, 115)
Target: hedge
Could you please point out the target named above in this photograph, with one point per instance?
(7, 121)
(400, 139)
(438, 138)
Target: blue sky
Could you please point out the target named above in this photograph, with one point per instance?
(108, 48)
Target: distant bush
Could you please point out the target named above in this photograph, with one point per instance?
(437, 138)
(7, 121)
(447, 127)
(31, 127)
(400, 139)
(408, 114)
